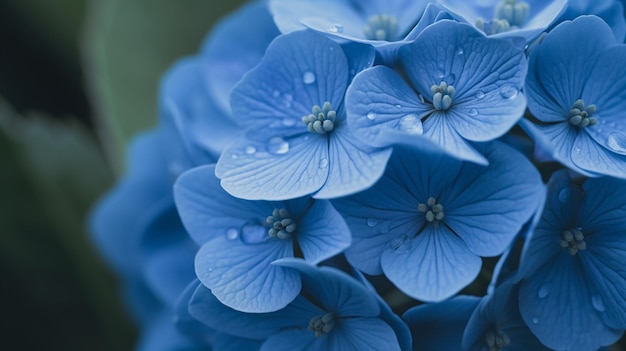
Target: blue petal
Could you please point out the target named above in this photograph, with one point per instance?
(379, 98)
(241, 276)
(611, 11)
(297, 340)
(352, 166)
(335, 290)
(432, 266)
(235, 46)
(186, 323)
(363, 334)
(162, 335)
(299, 70)
(288, 15)
(360, 56)
(116, 220)
(556, 304)
(196, 128)
(208, 212)
(590, 156)
(487, 207)
(322, 232)
(207, 309)
(276, 168)
(440, 326)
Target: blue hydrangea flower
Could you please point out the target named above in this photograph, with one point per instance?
(496, 324)
(611, 11)
(428, 220)
(372, 21)
(193, 103)
(464, 88)
(506, 18)
(572, 292)
(440, 326)
(579, 100)
(241, 238)
(296, 141)
(334, 312)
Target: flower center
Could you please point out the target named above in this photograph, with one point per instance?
(442, 96)
(581, 116)
(497, 339)
(573, 240)
(321, 325)
(507, 14)
(433, 210)
(321, 120)
(280, 224)
(381, 27)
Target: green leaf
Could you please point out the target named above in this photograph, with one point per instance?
(128, 45)
(58, 295)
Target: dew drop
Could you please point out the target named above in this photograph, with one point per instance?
(287, 99)
(451, 78)
(535, 320)
(253, 233)
(232, 234)
(597, 303)
(384, 227)
(250, 149)
(308, 77)
(352, 72)
(371, 222)
(210, 269)
(277, 146)
(564, 195)
(234, 156)
(577, 150)
(472, 112)
(411, 124)
(440, 74)
(617, 142)
(289, 122)
(480, 94)
(544, 290)
(371, 116)
(276, 93)
(459, 51)
(398, 106)
(336, 28)
(508, 92)
(323, 163)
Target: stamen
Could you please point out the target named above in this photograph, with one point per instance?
(581, 116)
(433, 210)
(497, 339)
(381, 27)
(321, 120)
(513, 11)
(494, 26)
(321, 325)
(280, 224)
(442, 96)
(573, 240)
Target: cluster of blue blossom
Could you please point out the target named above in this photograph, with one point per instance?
(319, 154)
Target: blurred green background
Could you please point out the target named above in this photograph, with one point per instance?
(77, 79)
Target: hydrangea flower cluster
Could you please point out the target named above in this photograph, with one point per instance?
(343, 175)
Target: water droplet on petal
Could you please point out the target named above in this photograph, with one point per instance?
(250, 149)
(253, 233)
(323, 163)
(278, 146)
(411, 124)
(472, 112)
(480, 94)
(535, 320)
(451, 78)
(617, 142)
(597, 303)
(396, 243)
(459, 51)
(371, 116)
(508, 92)
(371, 222)
(384, 227)
(564, 195)
(234, 156)
(287, 99)
(289, 122)
(308, 77)
(276, 93)
(232, 234)
(544, 290)
(336, 28)
(398, 106)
